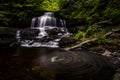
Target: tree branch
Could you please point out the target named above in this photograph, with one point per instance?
(85, 42)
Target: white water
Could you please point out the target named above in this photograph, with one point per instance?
(18, 36)
(45, 23)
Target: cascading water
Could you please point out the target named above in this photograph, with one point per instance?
(47, 19)
(50, 33)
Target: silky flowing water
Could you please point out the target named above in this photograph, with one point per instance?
(38, 56)
(46, 24)
(42, 63)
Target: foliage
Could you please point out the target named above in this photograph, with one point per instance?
(80, 36)
(101, 38)
(90, 33)
(93, 31)
(92, 11)
(51, 5)
(14, 13)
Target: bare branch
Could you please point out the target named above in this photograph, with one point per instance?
(85, 42)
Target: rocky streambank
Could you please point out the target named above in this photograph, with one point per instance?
(9, 42)
(111, 48)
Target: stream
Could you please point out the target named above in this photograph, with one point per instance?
(35, 54)
(50, 31)
(33, 63)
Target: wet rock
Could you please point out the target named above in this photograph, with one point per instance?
(107, 53)
(115, 35)
(73, 30)
(116, 54)
(29, 33)
(7, 32)
(54, 31)
(97, 49)
(66, 41)
(7, 36)
(116, 76)
(6, 42)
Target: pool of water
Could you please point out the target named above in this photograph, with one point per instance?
(25, 63)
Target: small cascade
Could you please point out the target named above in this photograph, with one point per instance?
(47, 19)
(63, 23)
(33, 22)
(49, 32)
(18, 36)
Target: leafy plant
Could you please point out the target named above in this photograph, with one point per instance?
(93, 31)
(92, 10)
(90, 33)
(101, 38)
(52, 5)
(79, 36)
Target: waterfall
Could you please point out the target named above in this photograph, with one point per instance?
(63, 23)
(50, 33)
(33, 22)
(47, 19)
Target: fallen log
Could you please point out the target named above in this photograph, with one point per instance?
(103, 22)
(87, 41)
